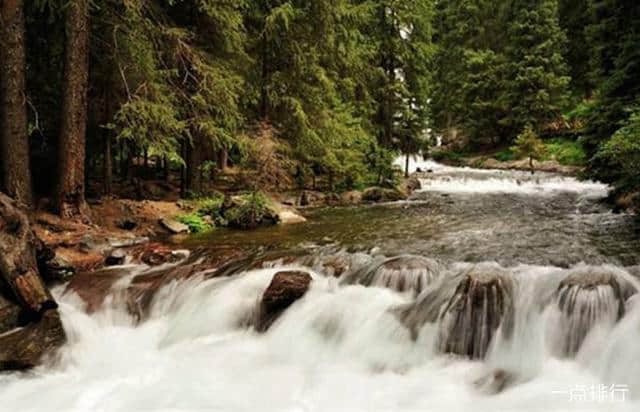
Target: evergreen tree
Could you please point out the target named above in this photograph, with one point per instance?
(536, 81)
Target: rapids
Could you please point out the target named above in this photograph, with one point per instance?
(533, 274)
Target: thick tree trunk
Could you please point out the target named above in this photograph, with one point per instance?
(71, 201)
(18, 260)
(14, 140)
(30, 325)
(194, 161)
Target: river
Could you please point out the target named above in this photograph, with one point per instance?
(548, 319)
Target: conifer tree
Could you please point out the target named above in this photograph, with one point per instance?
(536, 80)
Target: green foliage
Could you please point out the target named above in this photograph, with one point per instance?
(250, 211)
(445, 155)
(195, 222)
(566, 152)
(505, 155)
(624, 149)
(528, 145)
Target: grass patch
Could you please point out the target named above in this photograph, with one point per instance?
(195, 222)
(566, 152)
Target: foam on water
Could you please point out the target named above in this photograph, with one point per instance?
(338, 348)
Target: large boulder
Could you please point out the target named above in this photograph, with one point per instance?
(586, 297)
(285, 288)
(381, 194)
(480, 304)
(30, 325)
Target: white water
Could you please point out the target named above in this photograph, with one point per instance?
(338, 348)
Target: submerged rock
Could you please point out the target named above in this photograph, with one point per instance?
(588, 297)
(405, 273)
(285, 288)
(481, 303)
(115, 258)
(495, 382)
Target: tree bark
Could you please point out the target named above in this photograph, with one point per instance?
(194, 161)
(406, 166)
(14, 139)
(71, 201)
(223, 160)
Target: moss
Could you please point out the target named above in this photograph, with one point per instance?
(195, 222)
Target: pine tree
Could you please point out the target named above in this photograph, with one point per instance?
(536, 85)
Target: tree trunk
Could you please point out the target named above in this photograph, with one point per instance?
(193, 167)
(14, 140)
(30, 325)
(223, 160)
(406, 167)
(107, 164)
(71, 201)
(165, 165)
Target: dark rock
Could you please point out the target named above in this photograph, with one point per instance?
(117, 257)
(24, 347)
(285, 288)
(126, 224)
(58, 269)
(481, 302)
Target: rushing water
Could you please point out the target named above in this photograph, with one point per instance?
(530, 276)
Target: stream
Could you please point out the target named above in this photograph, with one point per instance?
(487, 290)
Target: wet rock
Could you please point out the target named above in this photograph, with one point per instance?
(585, 298)
(156, 254)
(412, 184)
(115, 258)
(405, 273)
(58, 269)
(380, 194)
(285, 288)
(24, 347)
(127, 242)
(173, 226)
(495, 382)
(481, 302)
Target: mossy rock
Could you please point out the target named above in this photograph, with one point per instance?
(250, 211)
(381, 194)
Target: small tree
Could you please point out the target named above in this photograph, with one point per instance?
(528, 144)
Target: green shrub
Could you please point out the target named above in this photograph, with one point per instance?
(210, 205)
(250, 211)
(566, 152)
(446, 155)
(505, 155)
(195, 222)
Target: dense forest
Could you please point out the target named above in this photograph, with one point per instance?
(327, 92)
